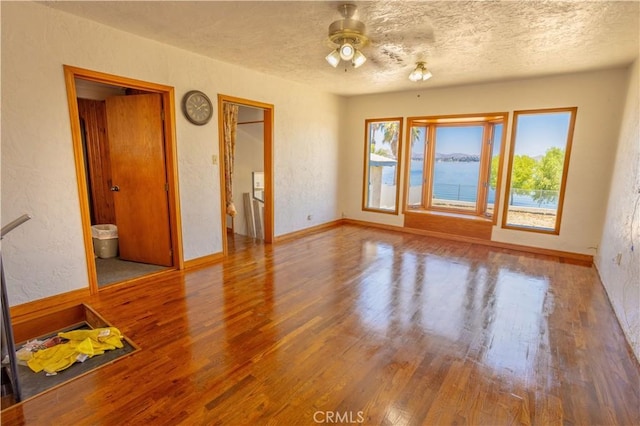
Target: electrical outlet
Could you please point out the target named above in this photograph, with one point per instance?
(214, 160)
(618, 259)
(309, 217)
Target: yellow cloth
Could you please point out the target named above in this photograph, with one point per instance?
(102, 338)
(59, 357)
(82, 343)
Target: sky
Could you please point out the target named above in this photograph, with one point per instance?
(463, 140)
(538, 132)
(535, 134)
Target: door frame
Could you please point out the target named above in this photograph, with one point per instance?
(268, 111)
(171, 163)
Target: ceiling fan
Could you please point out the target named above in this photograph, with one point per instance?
(347, 36)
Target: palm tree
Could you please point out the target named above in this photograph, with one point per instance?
(390, 134)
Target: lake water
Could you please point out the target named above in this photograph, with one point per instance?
(449, 184)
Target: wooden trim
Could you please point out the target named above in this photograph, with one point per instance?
(456, 119)
(528, 249)
(308, 231)
(81, 176)
(503, 142)
(245, 102)
(366, 168)
(269, 201)
(203, 261)
(171, 159)
(430, 124)
(40, 307)
(55, 302)
(407, 168)
(484, 170)
(268, 164)
(450, 223)
(221, 172)
(45, 323)
(153, 276)
(565, 171)
(428, 166)
(168, 100)
(112, 79)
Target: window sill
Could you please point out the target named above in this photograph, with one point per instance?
(449, 223)
(449, 214)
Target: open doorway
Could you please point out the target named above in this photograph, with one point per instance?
(125, 163)
(248, 184)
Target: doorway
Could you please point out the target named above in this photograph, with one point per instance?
(124, 147)
(251, 179)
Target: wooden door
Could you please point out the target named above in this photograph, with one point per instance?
(138, 171)
(93, 125)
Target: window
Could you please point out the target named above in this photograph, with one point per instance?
(382, 156)
(454, 163)
(538, 163)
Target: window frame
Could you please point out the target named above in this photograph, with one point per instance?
(489, 121)
(366, 168)
(565, 170)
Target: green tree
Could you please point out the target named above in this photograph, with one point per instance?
(382, 151)
(522, 174)
(493, 178)
(547, 176)
(389, 135)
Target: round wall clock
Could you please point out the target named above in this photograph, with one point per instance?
(197, 107)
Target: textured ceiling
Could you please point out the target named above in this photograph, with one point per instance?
(462, 41)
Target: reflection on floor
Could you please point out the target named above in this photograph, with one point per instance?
(370, 325)
(238, 242)
(114, 270)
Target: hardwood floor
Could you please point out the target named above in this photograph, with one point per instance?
(359, 325)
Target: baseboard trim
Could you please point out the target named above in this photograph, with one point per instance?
(42, 306)
(203, 261)
(498, 244)
(307, 231)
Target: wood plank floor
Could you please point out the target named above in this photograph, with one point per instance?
(358, 325)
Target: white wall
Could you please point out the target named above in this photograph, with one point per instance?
(621, 233)
(318, 145)
(598, 96)
(45, 256)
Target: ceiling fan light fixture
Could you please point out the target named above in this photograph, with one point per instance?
(358, 59)
(416, 75)
(421, 73)
(348, 36)
(347, 51)
(333, 58)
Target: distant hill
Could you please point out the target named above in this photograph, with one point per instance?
(418, 156)
(457, 157)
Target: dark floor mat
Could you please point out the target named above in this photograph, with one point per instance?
(114, 270)
(34, 383)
